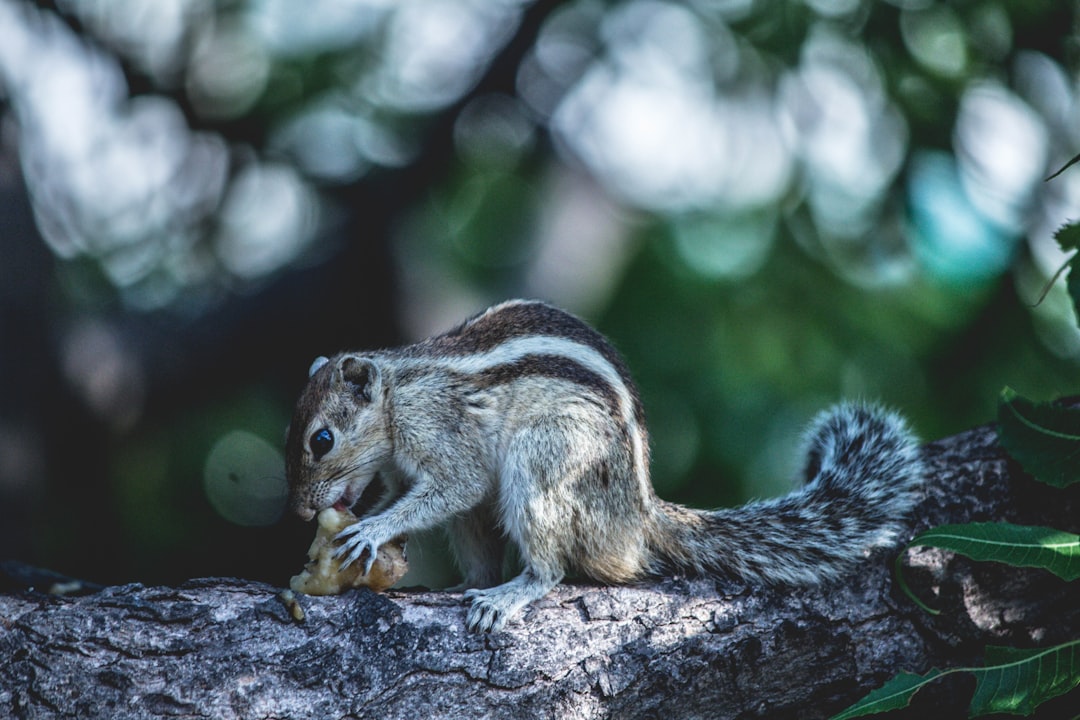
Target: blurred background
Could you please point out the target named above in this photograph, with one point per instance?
(767, 205)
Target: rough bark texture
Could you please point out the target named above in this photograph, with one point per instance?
(225, 648)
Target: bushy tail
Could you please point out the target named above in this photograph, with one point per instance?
(862, 475)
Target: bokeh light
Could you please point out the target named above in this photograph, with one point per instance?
(243, 479)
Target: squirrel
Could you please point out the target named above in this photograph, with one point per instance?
(523, 425)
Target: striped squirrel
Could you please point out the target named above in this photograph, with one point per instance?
(523, 425)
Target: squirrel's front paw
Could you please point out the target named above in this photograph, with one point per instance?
(355, 541)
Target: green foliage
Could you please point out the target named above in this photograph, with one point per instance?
(1065, 167)
(1045, 439)
(1012, 681)
(1018, 680)
(1016, 545)
(1021, 546)
(1068, 236)
(1068, 239)
(893, 695)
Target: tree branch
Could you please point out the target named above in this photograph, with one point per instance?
(228, 648)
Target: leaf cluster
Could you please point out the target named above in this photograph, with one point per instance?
(1012, 681)
(1045, 439)
(1068, 239)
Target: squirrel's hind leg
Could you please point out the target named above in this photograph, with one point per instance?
(478, 546)
(536, 506)
(491, 608)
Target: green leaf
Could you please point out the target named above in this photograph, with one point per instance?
(1072, 284)
(1017, 681)
(1043, 437)
(1018, 545)
(1012, 681)
(898, 571)
(893, 695)
(1065, 167)
(1068, 236)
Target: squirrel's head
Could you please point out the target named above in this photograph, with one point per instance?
(338, 436)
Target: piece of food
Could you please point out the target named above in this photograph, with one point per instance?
(322, 575)
(288, 597)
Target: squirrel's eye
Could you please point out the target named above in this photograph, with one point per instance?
(321, 442)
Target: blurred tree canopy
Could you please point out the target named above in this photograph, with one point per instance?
(767, 205)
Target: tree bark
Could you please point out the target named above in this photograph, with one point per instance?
(676, 648)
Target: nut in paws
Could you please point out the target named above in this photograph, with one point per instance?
(357, 544)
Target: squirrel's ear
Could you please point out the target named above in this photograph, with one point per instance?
(318, 363)
(361, 375)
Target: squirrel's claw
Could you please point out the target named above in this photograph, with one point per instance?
(353, 548)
